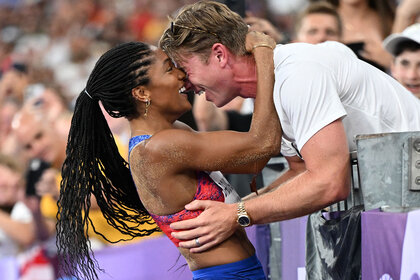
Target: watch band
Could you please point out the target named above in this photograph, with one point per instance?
(241, 209)
(243, 217)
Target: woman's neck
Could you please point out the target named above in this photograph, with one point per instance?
(148, 125)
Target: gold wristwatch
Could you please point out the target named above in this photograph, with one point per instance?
(243, 218)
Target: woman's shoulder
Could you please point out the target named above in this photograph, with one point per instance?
(164, 143)
(174, 138)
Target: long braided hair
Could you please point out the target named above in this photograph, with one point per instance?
(93, 164)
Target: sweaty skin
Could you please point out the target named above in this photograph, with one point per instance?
(325, 169)
(164, 166)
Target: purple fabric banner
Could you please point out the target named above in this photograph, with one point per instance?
(154, 259)
(410, 265)
(150, 259)
(158, 258)
(382, 242)
(9, 268)
(260, 237)
(293, 235)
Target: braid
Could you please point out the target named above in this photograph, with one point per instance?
(124, 68)
(93, 164)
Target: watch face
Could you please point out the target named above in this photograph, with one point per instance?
(243, 221)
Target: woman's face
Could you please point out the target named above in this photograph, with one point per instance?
(167, 86)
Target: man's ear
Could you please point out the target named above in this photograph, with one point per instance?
(220, 53)
(140, 93)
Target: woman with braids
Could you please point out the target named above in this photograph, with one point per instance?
(139, 82)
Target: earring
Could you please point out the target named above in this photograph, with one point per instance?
(146, 107)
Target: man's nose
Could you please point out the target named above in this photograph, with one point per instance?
(322, 37)
(36, 149)
(413, 73)
(189, 86)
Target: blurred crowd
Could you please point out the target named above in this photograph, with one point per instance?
(49, 47)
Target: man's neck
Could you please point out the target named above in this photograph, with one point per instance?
(245, 75)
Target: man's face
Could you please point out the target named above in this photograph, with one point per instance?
(318, 28)
(406, 69)
(38, 140)
(13, 84)
(9, 186)
(217, 82)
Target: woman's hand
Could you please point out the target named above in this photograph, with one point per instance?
(256, 39)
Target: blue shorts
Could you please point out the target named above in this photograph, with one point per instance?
(249, 268)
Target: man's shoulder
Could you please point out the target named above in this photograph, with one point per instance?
(310, 52)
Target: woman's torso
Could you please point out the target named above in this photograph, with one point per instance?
(164, 193)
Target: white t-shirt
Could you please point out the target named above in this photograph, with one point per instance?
(318, 84)
(21, 213)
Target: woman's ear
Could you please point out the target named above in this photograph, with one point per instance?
(140, 93)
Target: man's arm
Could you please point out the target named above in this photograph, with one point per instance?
(296, 166)
(326, 180)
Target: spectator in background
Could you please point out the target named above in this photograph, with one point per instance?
(17, 229)
(366, 23)
(19, 223)
(318, 23)
(8, 37)
(13, 82)
(8, 109)
(48, 99)
(37, 139)
(407, 13)
(265, 26)
(405, 47)
(40, 138)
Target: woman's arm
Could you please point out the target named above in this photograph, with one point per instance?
(228, 150)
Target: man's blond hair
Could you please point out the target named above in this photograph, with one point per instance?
(200, 25)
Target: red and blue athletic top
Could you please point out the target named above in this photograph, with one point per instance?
(207, 189)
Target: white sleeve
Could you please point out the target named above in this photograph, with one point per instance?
(287, 149)
(310, 100)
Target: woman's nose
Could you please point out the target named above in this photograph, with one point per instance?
(181, 74)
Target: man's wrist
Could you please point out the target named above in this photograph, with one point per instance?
(243, 218)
